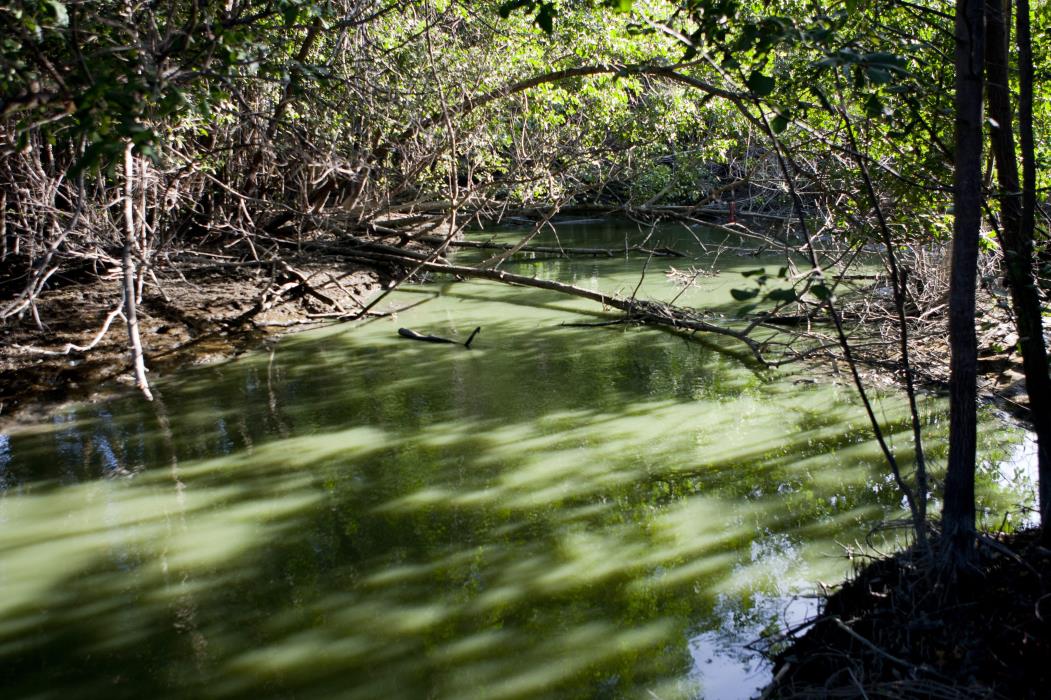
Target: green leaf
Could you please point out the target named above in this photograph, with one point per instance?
(785, 295)
(877, 74)
(761, 85)
(744, 294)
(888, 60)
(782, 272)
(779, 123)
(753, 273)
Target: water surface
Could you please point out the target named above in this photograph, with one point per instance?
(557, 512)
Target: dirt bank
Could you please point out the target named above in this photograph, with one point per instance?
(202, 311)
(210, 306)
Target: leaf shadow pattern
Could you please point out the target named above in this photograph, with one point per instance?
(357, 516)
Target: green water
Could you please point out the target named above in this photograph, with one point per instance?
(557, 512)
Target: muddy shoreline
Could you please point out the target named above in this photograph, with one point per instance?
(211, 308)
(188, 315)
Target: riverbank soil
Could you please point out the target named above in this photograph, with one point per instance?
(190, 314)
(897, 631)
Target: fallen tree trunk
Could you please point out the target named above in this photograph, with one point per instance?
(639, 311)
(561, 251)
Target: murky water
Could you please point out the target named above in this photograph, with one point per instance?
(557, 512)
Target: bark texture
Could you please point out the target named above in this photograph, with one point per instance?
(958, 511)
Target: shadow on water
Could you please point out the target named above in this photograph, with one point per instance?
(357, 515)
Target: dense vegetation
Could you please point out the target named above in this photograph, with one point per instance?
(138, 136)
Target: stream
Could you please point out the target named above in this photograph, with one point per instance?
(558, 511)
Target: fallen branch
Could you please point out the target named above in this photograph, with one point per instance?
(556, 250)
(648, 312)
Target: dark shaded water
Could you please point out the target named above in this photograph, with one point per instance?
(558, 512)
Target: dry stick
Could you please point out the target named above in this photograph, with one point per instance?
(134, 340)
(469, 104)
(43, 273)
(71, 347)
(898, 285)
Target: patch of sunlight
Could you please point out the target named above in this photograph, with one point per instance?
(295, 452)
(391, 619)
(675, 575)
(478, 497)
(499, 597)
(302, 652)
(405, 573)
(558, 660)
(509, 443)
(696, 539)
(823, 531)
(476, 646)
(418, 500)
(91, 511)
(166, 591)
(589, 558)
(210, 543)
(54, 536)
(449, 433)
(701, 523)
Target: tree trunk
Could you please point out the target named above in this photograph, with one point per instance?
(1024, 293)
(958, 511)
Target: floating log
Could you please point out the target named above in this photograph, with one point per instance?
(413, 335)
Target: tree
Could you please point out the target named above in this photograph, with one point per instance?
(958, 511)
(1017, 226)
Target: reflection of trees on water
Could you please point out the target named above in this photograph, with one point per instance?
(359, 517)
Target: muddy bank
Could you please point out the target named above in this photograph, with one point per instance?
(194, 313)
(897, 631)
(210, 306)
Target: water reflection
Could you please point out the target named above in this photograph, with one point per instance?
(557, 512)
